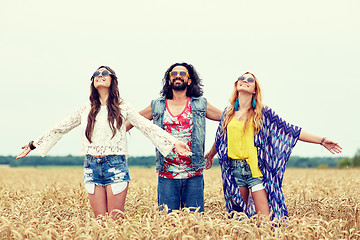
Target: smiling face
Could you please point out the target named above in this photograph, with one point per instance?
(246, 83)
(179, 81)
(101, 81)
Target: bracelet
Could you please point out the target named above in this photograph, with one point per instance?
(322, 140)
(31, 145)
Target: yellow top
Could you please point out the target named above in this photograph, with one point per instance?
(241, 145)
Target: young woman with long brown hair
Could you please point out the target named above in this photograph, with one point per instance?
(104, 142)
(254, 145)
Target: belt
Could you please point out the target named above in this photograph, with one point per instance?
(237, 162)
(98, 156)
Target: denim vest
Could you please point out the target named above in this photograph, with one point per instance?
(198, 108)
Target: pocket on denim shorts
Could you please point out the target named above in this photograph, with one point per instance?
(236, 170)
(117, 161)
(86, 163)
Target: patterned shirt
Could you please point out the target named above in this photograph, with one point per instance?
(274, 142)
(181, 127)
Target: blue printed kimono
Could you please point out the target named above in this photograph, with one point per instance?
(274, 143)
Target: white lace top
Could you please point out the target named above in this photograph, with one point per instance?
(102, 141)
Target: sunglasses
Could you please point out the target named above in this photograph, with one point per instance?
(250, 79)
(181, 73)
(104, 73)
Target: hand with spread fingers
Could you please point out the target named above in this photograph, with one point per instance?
(332, 146)
(183, 149)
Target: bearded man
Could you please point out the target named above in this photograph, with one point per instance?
(182, 111)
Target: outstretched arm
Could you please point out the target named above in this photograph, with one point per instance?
(162, 140)
(213, 113)
(53, 135)
(330, 145)
(147, 113)
(180, 146)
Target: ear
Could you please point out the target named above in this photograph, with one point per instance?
(189, 81)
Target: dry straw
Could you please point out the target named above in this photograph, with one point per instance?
(52, 204)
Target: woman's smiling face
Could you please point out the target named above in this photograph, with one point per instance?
(246, 83)
(101, 80)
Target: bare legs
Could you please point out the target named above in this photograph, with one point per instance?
(104, 201)
(98, 201)
(260, 200)
(115, 201)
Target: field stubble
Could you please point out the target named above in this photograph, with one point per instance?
(53, 204)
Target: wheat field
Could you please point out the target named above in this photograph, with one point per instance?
(53, 204)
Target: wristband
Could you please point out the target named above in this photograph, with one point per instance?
(322, 141)
(31, 145)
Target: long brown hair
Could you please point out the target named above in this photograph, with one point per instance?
(254, 113)
(113, 106)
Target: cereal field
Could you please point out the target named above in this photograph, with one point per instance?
(52, 204)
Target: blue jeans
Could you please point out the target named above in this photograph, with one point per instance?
(180, 193)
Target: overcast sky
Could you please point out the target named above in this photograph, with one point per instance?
(304, 53)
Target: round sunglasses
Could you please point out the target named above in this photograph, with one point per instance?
(250, 79)
(104, 73)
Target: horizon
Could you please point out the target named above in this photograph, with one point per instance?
(305, 55)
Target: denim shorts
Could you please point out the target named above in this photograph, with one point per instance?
(102, 171)
(243, 176)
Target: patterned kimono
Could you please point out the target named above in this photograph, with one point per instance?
(274, 143)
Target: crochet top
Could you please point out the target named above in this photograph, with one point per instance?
(102, 141)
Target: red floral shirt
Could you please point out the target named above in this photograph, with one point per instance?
(180, 126)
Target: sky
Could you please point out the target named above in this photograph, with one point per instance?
(304, 53)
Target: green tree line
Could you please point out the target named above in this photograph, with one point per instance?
(350, 162)
(149, 161)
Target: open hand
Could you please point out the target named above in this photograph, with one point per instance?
(332, 146)
(183, 149)
(24, 152)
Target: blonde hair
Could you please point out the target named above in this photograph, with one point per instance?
(254, 113)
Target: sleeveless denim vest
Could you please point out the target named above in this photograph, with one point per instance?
(198, 108)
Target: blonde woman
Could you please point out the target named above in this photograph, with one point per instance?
(254, 145)
(104, 142)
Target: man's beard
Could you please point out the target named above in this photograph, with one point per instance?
(179, 87)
